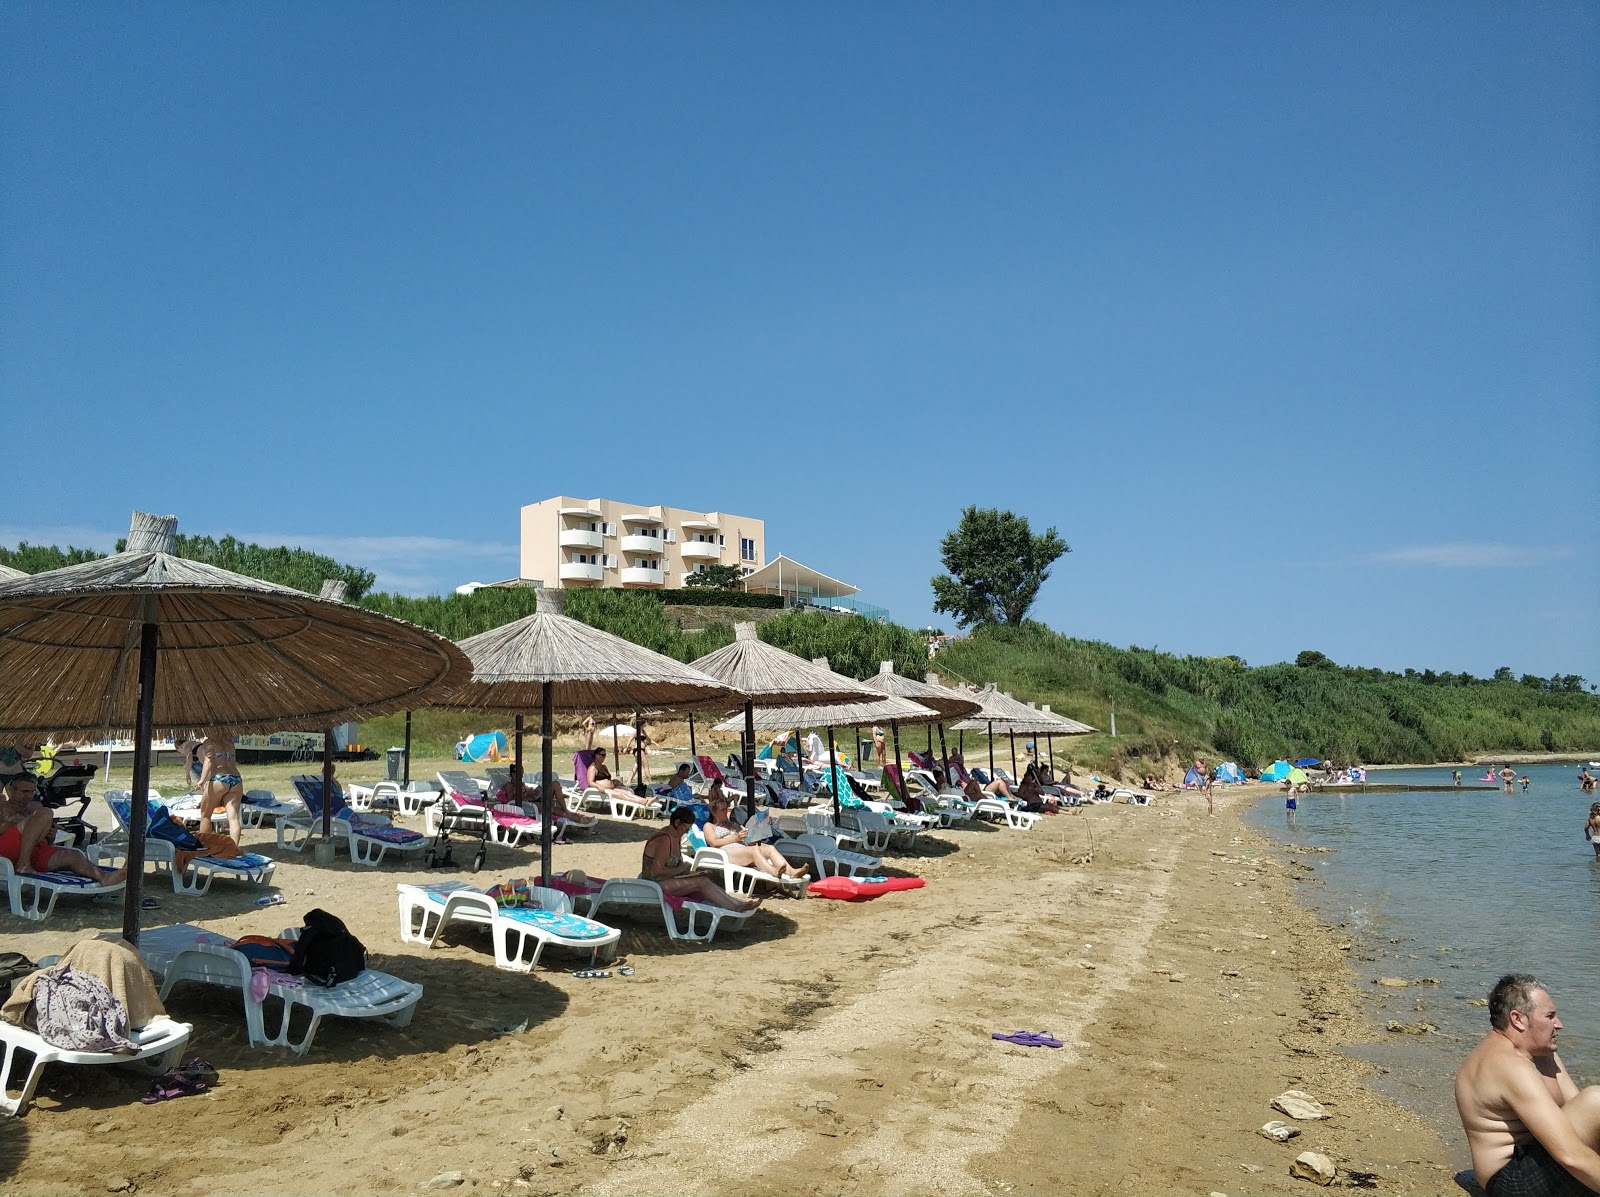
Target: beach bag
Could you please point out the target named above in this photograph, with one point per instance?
(262, 951)
(76, 1011)
(326, 953)
(13, 967)
(163, 827)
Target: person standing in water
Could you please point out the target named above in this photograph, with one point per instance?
(1591, 828)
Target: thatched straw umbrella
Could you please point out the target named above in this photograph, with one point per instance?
(949, 704)
(1008, 714)
(546, 662)
(896, 710)
(7, 574)
(81, 649)
(766, 674)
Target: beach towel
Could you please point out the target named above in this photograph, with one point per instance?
(111, 961)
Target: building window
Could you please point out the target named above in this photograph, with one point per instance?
(745, 572)
(747, 549)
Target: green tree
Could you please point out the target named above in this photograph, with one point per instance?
(1312, 659)
(996, 566)
(714, 577)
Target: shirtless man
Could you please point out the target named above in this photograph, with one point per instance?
(1530, 1129)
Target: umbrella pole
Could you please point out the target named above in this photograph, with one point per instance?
(327, 787)
(138, 815)
(749, 757)
(899, 769)
(1050, 747)
(547, 762)
(639, 787)
(1013, 752)
(406, 777)
(799, 763)
(833, 776)
(991, 750)
(694, 752)
(516, 747)
(944, 755)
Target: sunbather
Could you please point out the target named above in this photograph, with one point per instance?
(722, 832)
(516, 792)
(220, 783)
(25, 828)
(599, 775)
(1032, 796)
(999, 787)
(664, 864)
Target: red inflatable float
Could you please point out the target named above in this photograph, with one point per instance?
(852, 889)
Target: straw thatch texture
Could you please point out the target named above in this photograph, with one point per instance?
(589, 670)
(235, 652)
(883, 710)
(948, 703)
(764, 672)
(1003, 713)
(7, 574)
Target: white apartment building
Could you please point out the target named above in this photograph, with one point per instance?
(603, 542)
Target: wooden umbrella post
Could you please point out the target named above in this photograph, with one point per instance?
(547, 778)
(944, 755)
(1013, 751)
(694, 752)
(833, 776)
(516, 748)
(324, 849)
(405, 779)
(799, 764)
(749, 758)
(991, 750)
(639, 786)
(138, 815)
(899, 768)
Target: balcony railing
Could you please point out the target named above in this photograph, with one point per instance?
(632, 543)
(577, 571)
(576, 538)
(699, 550)
(633, 575)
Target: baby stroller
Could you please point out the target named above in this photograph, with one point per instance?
(70, 783)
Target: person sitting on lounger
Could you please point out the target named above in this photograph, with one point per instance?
(1032, 796)
(999, 787)
(722, 832)
(517, 793)
(25, 828)
(599, 775)
(664, 864)
(676, 787)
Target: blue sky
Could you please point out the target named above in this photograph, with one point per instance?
(1283, 315)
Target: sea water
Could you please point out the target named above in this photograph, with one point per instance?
(1462, 887)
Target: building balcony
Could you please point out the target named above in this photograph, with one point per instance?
(642, 517)
(699, 550)
(701, 525)
(588, 513)
(634, 543)
(633, 575)
(580, 538)
(575, 571)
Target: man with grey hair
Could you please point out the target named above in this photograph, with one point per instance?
(1531, 1131)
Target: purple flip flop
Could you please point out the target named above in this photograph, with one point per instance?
(1028, 1038)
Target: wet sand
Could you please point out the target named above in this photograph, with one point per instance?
(824, 1047)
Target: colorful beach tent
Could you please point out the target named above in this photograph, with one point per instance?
(1277, 771)
(1297, 776)
(1228, 772)
(487, 746)
(1307, 762)
(1194, 777)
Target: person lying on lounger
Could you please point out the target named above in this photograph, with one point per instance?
(722, 832)
(517, 793)
(25, 828)
(664, 864)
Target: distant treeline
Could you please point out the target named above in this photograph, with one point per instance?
(1167, 707)
(1170, 706)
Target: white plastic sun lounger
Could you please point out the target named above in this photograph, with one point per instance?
(183, 952)
(1022, 820)
(202, 870)
(638, 893)
(160, 1043)
(33, 895)
(520, 935)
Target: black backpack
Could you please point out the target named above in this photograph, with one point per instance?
(13, 967)
(326, 953)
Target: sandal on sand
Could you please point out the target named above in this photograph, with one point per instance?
(1028, 1038)
(625, 970)
(588, 973)
(149, 904)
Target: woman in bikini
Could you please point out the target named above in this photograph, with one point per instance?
(722, 832)
(220, 783)
(664, 864)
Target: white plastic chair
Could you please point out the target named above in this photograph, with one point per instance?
(520, 935)
(636, 893)
(160, 1043)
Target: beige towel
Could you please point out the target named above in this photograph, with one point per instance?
(113, 962)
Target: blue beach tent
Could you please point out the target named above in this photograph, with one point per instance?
(489, 746)
(1194, 777)
(1277, 771)
(1228, 772)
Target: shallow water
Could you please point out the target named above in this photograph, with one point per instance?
(1462, 887)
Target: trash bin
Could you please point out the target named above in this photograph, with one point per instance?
(393, 764)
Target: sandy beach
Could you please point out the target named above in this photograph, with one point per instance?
(825, 1047)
